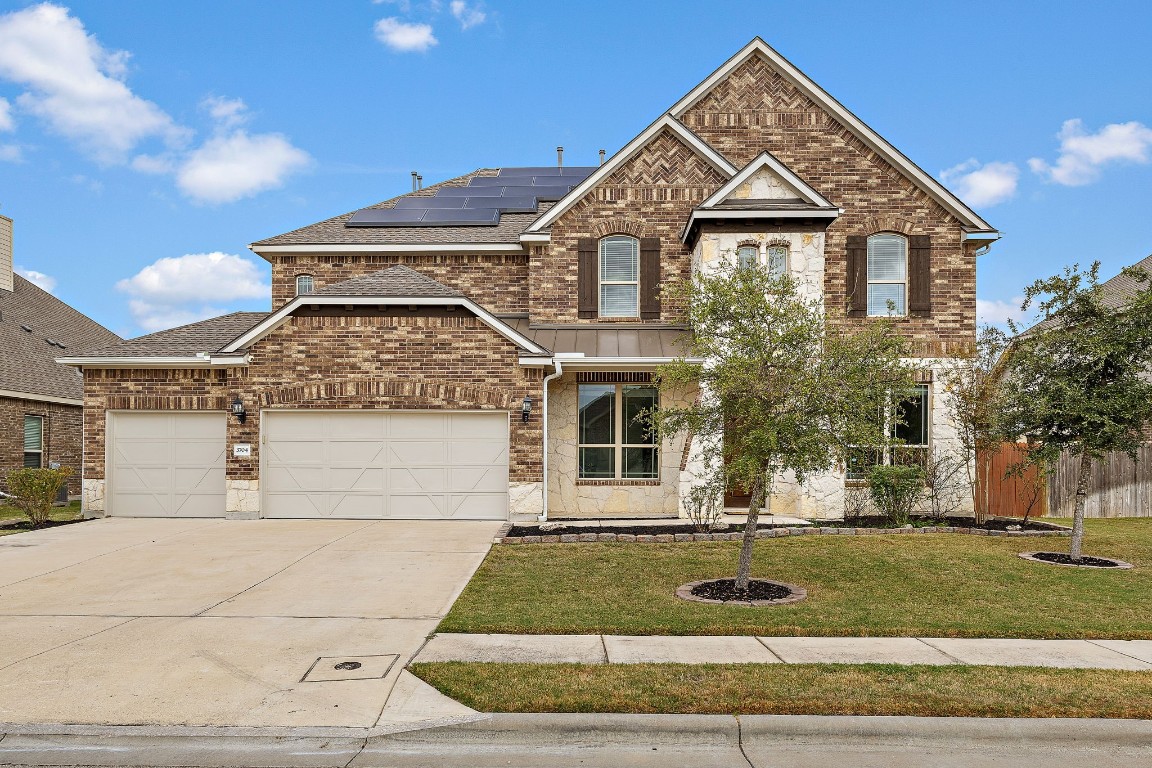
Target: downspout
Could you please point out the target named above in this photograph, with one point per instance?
(544, 417)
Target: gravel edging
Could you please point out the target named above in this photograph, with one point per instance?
(769, 533)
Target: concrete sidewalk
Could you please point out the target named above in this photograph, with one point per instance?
(737, 649)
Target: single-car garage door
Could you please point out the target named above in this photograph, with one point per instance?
(378, 464)
(164, 464)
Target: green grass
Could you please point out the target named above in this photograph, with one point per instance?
(945, 585)
(794, 689)
(68, 513)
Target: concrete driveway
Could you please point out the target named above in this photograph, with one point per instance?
(227, 622)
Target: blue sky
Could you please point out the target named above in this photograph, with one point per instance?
(144, 144)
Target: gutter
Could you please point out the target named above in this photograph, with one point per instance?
(200, 360)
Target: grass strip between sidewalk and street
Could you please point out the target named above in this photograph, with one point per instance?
(794, 689)
(918, 585)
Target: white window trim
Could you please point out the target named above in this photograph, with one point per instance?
(870, 282)
(601, 282)
(43, 421)
(311, 281)
(618, 431)
(787, 257)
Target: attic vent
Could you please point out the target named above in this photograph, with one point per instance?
(26, 328)
(51, 343)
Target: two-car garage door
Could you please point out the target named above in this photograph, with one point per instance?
(334, 464)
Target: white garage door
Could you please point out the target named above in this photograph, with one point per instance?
(376, 464)
(166, 464)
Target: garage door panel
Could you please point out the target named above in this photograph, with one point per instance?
(197, 479)
(385, 464)
(214, 428)
(142, 452)
(130, 504)
(146, 479)
(197, 452)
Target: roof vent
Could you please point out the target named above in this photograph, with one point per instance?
(26, 328)
(414, 177)
(601, 157)
(559, 157)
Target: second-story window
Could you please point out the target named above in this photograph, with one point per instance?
(747, 256)
(303, 285)
(777, 259)
(619, 276)
(887, 274)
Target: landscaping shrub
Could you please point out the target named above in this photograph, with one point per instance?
(895, 490)
(35, 490)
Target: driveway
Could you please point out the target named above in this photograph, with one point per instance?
(227, 622)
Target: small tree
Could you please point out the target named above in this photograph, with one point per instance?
(781, 390)
(971, 386)
(1080, 380)
(895, 489)
(35, 490)
(944, 488)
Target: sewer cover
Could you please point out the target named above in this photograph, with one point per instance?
(333, 668)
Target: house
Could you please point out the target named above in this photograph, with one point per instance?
(41, 401)
(474, 349)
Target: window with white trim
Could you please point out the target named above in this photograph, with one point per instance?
(777, 257)
(887, 275)
(303, 285)
(34, 441)
(614, 444)
(747, 256)
(619, 276)
(909, 424)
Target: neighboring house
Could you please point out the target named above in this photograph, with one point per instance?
(41, 413)
(476, 349)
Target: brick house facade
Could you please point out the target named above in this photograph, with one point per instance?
(480, 366)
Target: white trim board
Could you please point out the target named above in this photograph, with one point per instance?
(766, 160)
(276, 319)
(665, 122)
(512, 248)
(160, 361)
(875, 141)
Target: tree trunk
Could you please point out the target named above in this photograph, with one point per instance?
(744, 569)
(1081, 502)
(981, 510)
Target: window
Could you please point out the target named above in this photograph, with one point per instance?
(747, 256)
(777, 260)
(619, 276)
(34, 441)
(303, 284)
(908, 425)
(887, 274)
(613, 444)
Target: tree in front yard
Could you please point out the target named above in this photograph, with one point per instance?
(35, 490)
(1081, 380)
(782, 389)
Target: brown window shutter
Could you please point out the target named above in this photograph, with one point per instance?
(920, 275)
(589, 273)
(857, 276)
(649, 278)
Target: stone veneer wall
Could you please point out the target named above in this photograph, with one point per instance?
(497, 282)
(568, 496)
(62, 436)
(333, 362)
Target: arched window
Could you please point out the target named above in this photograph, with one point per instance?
(303, 284)
(887, 274)
(619, 276)
(777, 259)
(747, 256)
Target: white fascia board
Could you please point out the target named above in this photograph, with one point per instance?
(392, 248)
(766, 160)
(665, 122)
(623, 362)
(278, 318)
(536, 237)
(766, 214)
(40, 398)
(822, 98)
(197, 361)
(536, 362)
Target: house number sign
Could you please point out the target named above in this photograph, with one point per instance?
(242, 450)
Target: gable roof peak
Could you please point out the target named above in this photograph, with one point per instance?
(766, 161)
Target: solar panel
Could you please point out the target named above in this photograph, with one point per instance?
(430, 202)
(503, 204)
(470, 191)
(550, 193)
(489, 181)
(465, 216)
(578, 172)
(531, 171)
(385, 217)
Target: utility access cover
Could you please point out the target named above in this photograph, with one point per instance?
(328, 669)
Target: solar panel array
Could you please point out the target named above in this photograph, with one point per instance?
(480, 203)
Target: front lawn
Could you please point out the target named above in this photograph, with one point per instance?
(924, 585)
(66, 514)
(795, 689)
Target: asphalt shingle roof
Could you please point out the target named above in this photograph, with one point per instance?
(27, 360)
(187, 340)
(1121, 288)
(397, 281)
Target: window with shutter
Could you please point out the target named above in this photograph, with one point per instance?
(619, 276)
(34, 441)
(887, 275)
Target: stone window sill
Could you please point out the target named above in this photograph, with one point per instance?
(619, 482)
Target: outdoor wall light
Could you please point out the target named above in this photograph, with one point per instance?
(526, 408)
(238, 410)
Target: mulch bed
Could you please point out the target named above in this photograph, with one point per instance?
(24, 525)
(724, 592)
(1063, 558)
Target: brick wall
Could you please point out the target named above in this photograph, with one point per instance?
(497, 282)
(332, 361)
(62, 436)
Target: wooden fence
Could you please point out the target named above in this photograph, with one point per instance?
(1118, 487)
(1009, 496)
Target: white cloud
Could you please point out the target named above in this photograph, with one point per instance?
(178, 290)
(468, 15)
(75, 85)
(39, 279)
(1082, 154)
(10, 153)
(997, 312)
(6, 121)
(235, 166)
(228, 113)
(403, 36)
(985, 185)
